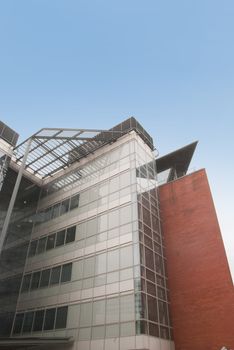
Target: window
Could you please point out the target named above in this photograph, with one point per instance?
(60, 237)
(49, 319)
(55, 210)
(18, 323)
(85, 314)
(66, 272)
(41, 245)
(35, 280)
(64, 206)
(99, 312)
(26, 282)
(55, 275)
(50, 242)
(33, 248)
(112, 310)
(71, 233)
(28, 321)
(38, 320)
(45, 277)
(61, 317)
(74, 202)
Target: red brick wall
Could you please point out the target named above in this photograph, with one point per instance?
(201, 289)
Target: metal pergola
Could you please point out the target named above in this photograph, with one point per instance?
(53, 149)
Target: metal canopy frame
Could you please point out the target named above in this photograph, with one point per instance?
(53, 149)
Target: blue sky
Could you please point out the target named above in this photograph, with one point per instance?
(91, 64)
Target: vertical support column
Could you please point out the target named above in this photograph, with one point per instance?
(13, 197)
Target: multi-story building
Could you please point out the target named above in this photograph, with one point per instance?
(88, 233)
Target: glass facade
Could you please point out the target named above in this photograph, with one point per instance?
(90, 260)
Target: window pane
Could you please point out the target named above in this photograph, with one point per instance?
(162, 312)
(33, 248)
(64, 206)
(99, 312)
(71, 233)
(28, 321)
(113, 260)
(18, 323)
(127, 329)
(61, 317)
(35, 280)
(50, 242)
(112, 331)
(55, 211)
(149, 259)
(152, 309)
(66, 272)
(49, 319)
(55, 275)
(86, 314)
(38, 320)
(60, 237)
(98, 332)
(100, 265)
(112, 310)
(126, 257)
(127, 308)
(45, 277)
(26, 283)
(89, 265)
(41, 245)
(74, 202)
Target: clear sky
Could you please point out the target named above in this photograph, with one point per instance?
(91, 64)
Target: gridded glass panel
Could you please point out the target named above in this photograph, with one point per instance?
(99, 308)
(41, 245)
(28, 321)
(26, 283)
(38, 320)
(35, 280)
(91, 227)
(50, 242)
(33, 248)
(49, 319)
(126, 257)
(71, 234)
(66, 272)
(74, 202)
(18, 323)
(113, 260)
(45, 277)
(112, 310)
(127, 308)
(61, 317)
(55, 275)
(112, 331)
(60, 237)
(86, 314)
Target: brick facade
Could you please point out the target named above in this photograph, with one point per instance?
(201, 289)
